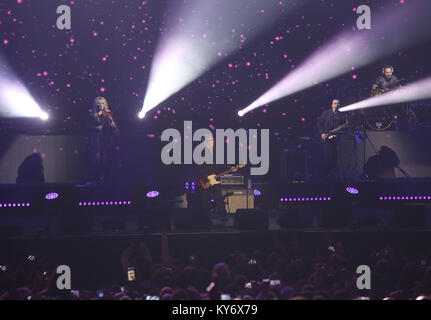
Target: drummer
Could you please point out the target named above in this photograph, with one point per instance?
(385, 82)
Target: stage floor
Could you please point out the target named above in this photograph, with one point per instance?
(66, 209)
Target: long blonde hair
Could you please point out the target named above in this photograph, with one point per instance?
(96, 103)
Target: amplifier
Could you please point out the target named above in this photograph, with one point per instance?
(236, 198)
(232, 179)
(294, 164)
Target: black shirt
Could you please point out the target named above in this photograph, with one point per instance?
(328, 121)
(101, 124)
(205, 170)
(384, 84)
(101, 134)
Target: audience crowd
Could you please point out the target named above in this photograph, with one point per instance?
(283, 272)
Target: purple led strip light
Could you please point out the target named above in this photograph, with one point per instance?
(14, 204)
(304, 199)
(191, 185)
(383, 198)
(104, 203)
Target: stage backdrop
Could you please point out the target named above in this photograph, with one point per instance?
(388, 154)
(66, 158)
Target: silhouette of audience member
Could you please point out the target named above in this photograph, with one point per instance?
(139, 257)
(399, 274)
(383, 164)
(31, 170)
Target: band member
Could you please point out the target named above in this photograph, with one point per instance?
(212, 201)
(328, 124)
(102, 140)
(385, 82)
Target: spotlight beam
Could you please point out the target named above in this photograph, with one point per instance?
(200, 34)
(15, 99)
(391, 31)
(418, 90)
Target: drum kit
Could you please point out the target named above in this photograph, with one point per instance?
(377, 119)
(390, 117)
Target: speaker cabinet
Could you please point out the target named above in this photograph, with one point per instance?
(294, 164)
(183, 218)
(409, 217)
(236, 198)
(251, 219)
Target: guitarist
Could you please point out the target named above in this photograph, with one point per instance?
(328, 124)
(212, 200)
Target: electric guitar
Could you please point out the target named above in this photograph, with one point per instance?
(213, 178)
(332, 134)
(378, 92)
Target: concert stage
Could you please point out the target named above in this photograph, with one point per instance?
(63, 209)
(90, 227)
(287, 139)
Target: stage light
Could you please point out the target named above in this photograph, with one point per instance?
(141, 115)
(14, 204)
(397, 198)
(352, 190)
(256, 193)
(15, 99)
(51, 196)
(199, 35)
(153, 194)
(104, 203)
(418, 90)
(305, 199)
(44, 116)
(354, 49)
